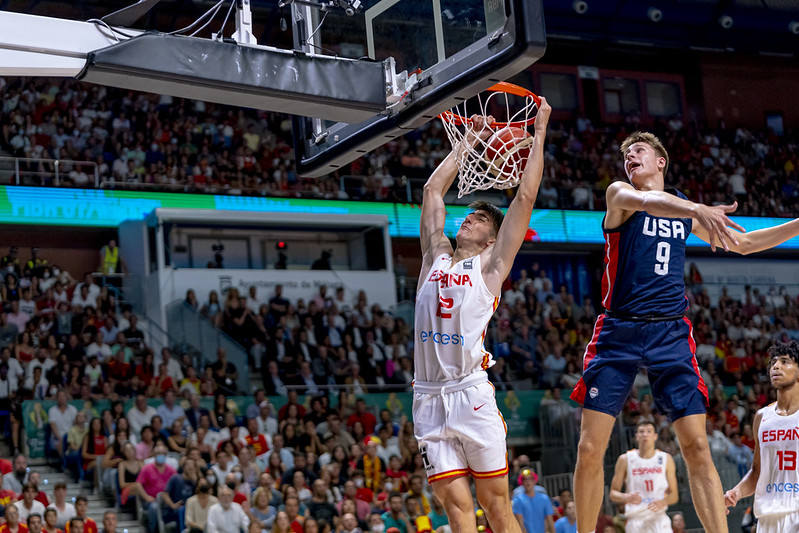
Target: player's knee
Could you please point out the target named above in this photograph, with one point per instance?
(696, 451)
(499, 513)
(459, 509)
(589, 454)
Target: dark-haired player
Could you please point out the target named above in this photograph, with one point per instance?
(644, 324)
(774, 476)
(651, 481)
(456, 420)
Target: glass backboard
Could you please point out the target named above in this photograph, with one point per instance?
(457, 47)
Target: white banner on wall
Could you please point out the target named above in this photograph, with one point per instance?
(379, 286)
(735, 273)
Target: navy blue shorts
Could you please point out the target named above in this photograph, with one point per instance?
(620, 347)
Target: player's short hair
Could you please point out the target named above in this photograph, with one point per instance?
(650, 139)
(646, 423)
(494, 212)
(791, 349)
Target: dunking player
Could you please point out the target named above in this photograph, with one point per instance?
(457, 423)
(774, 477)
(651, 481)
(643, 324)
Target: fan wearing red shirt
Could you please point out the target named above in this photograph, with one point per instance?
(81, 507)
(12, 524)
(35, 479)
(293, 512)
(367, 419)
(233, 482)
(292, 400)
(255, 439)
(5, 466)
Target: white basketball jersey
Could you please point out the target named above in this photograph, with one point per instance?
(453, 308)
(646, 477)
(777, 489)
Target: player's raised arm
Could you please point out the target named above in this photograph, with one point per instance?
(431, 224)
(746, 487)
(517, 219)
(622, 197)
(755, 241)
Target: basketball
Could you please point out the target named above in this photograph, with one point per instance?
(507, 151)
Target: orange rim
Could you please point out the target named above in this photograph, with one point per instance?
(501, 87)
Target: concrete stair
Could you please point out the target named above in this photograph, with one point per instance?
(98, 503)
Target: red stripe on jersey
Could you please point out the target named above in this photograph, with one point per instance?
(611, 265)
(692, 344)
(578, 394)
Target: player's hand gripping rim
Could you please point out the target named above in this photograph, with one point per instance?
(542, 117)
(715, 220)
(479, 128)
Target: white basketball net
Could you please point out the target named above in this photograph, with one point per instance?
(482, 166)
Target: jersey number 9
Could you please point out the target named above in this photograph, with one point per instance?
(662, 258)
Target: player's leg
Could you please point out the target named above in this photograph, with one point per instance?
(680, 392)
(493, 496)
(444, 460)
(589, 478)
(610, 363)
(481, 430)
(456, 497)
(706, 491)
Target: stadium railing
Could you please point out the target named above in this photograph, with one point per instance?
(189, 327)
(29, 171)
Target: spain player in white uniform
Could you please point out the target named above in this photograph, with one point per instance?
(651, 481)
(774, 476)
(456, 420)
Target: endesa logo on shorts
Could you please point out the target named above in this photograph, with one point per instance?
(792, 488)
(436, 337)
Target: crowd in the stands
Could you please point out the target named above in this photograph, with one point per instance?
(329, 462)
(139, 140)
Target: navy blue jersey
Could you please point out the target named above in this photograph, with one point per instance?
(644, 261)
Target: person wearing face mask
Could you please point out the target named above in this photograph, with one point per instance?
(349, 524)
(198, 505)
(178, 490)
(153, 479)
(226, 516)
(233, 481)
(376, 524)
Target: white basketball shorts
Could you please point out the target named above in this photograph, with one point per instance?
(782, 523)
(460, 429)
(657, 524)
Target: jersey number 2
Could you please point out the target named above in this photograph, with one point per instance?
(662, 258)
(444, 303)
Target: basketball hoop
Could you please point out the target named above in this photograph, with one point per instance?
(496, 162)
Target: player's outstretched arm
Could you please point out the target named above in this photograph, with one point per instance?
(746, 487)
(619, 477)
(517, 219)
(622, 197)
(431, 224)
(758, 240)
